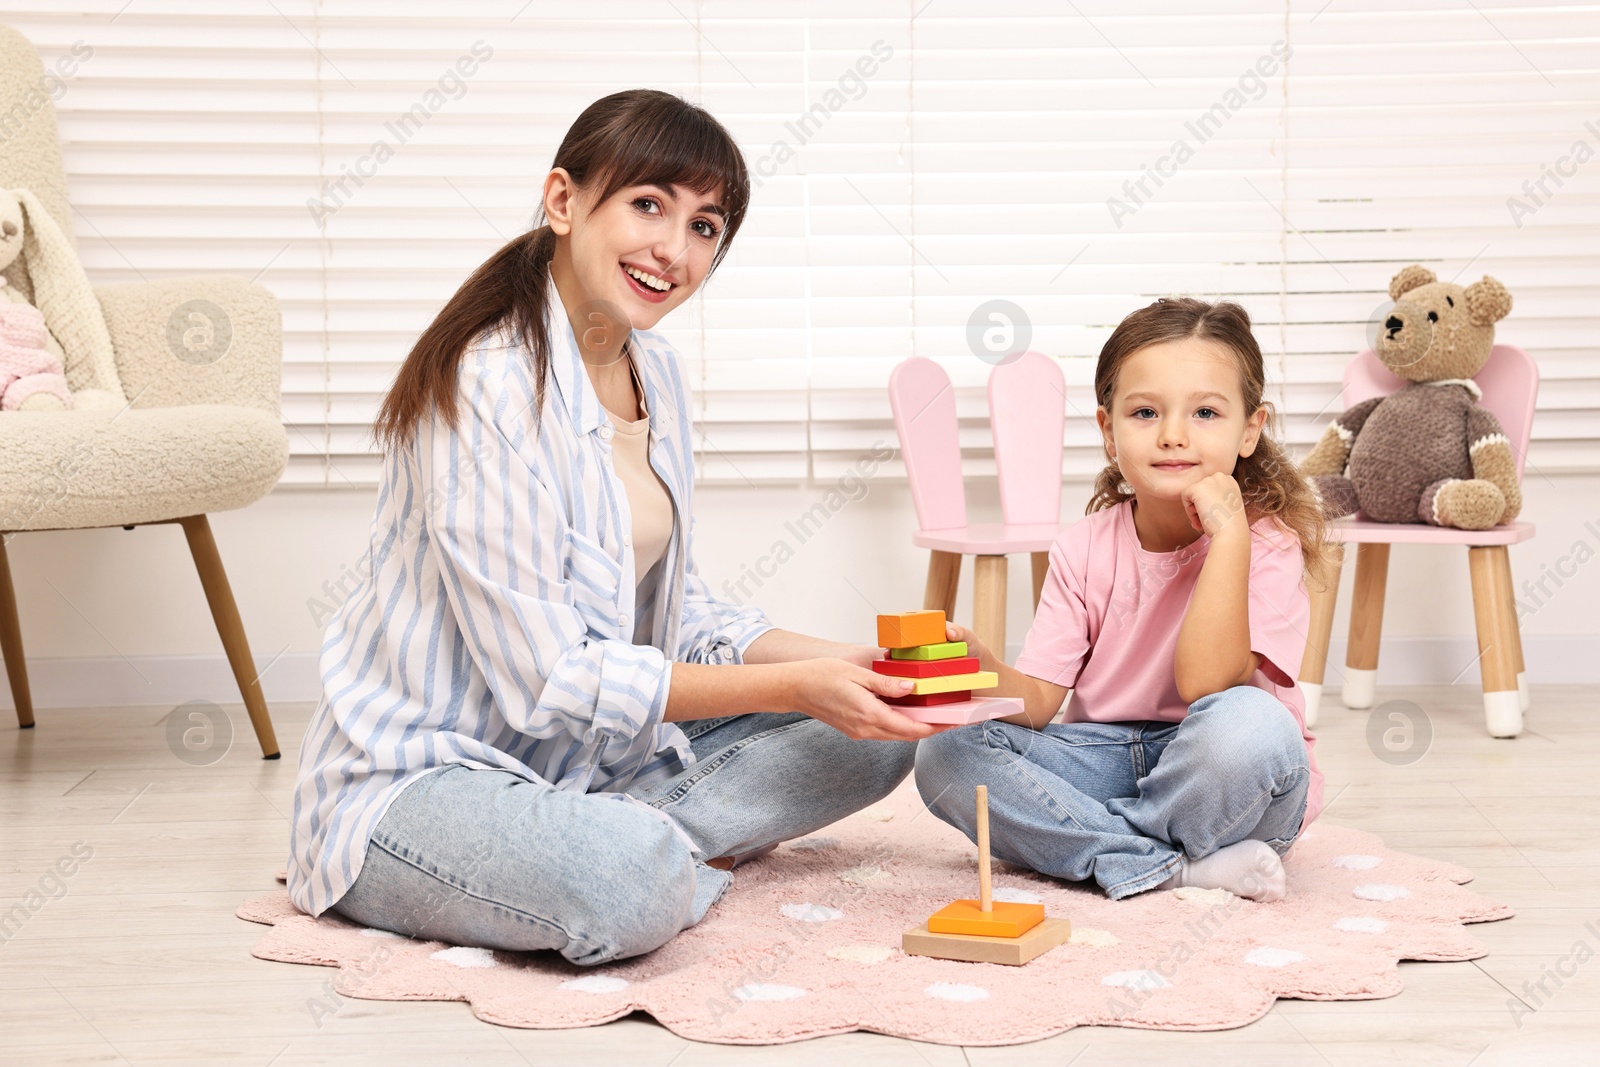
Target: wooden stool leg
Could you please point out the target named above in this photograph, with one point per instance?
(989, 602)
(230, 628)
(1491, 601)
(1324, 589)
(11, 644)
(1041, 567)
(1366, 624)
(1524, 696)
(944, 576)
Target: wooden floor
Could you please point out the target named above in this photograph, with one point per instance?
(141, 960)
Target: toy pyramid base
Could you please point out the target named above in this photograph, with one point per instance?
(963, 711)
(1012, 951)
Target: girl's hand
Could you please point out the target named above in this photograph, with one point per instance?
(986, 658)
(845, 696)
(1214, 505)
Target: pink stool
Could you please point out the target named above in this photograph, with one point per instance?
(1510, 384)
(1027, 417)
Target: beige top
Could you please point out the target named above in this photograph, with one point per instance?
(649, 503)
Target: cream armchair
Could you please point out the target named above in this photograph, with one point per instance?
(199, 361)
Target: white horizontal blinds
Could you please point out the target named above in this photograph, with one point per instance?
(1403, 152)
(910, 169)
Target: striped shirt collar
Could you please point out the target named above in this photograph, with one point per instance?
(572, 379)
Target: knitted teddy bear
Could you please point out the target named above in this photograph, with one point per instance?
(1426, 452)
(31, 377)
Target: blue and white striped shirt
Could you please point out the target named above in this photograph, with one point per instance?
(495, 627)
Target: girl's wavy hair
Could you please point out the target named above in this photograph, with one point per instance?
(1269, 481)
(634, 137)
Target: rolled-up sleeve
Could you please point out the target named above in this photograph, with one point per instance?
(498, 534)
(714, 630)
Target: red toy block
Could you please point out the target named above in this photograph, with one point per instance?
(911, 628)
(924, 700)
(910, 668)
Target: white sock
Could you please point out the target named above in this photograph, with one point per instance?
(1247, 869)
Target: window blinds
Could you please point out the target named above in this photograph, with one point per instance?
(914, 163)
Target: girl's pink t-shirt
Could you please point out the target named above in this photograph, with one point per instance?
(1110, 611)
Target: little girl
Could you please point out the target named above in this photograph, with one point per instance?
(1174, 618)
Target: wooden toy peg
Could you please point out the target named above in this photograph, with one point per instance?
(985, 883)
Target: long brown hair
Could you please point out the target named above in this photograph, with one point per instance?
(1269, 481)
(635, 137)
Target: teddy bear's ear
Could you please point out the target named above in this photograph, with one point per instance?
(1410, 278)
(1488, 301)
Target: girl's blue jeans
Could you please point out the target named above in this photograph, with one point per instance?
(483, 857)
(1119, 802)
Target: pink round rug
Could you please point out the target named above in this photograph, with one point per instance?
(807, 942)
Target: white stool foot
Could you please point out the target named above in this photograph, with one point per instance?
(1502, 713)
(1524, 696)
(1359, 687)
(1312, 694)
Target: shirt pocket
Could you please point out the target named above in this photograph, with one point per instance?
(595, 575)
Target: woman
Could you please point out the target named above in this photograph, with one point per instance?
(497, 758)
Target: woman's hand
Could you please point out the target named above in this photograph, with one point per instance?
(845, 696)
(1214, 504)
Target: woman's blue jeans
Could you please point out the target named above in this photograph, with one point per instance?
(482, 857)
(1119, 802)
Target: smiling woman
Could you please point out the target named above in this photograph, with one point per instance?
(496, 760)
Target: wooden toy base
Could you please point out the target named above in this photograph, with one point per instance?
(1013, 951)
(964, 711)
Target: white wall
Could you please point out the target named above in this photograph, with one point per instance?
(117, 617)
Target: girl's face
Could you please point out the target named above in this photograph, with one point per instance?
(642, 252)
(1177, 415)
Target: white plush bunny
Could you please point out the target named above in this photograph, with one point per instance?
(74, 329)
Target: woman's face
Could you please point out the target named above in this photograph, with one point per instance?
(642, 252)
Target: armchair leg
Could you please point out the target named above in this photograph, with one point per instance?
(1496, 623)
(989, 602)
(1324, 590)
(1366, 624)
(11, 644)
(230, 628)
(944, 575)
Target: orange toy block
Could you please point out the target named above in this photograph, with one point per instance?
(911, 628)
(1007, 919)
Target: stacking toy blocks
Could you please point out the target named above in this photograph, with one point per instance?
(942, 671)
(986, 930)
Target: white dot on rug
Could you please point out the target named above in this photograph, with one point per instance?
(863, 875)
(1136, 980)
(1356, 862)
(956, 991)
(811, 913)
(1088, 935)
(768, 991)
(1361, 924)
(814, 844)
(595, 983)
(860, 953)
(1273, 957)
(464, 956)
(1014, 895)
(875, 814)
(370, 931)
(1380, 891)
(1193, 894)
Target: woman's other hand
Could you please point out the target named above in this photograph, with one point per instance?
(847, 696)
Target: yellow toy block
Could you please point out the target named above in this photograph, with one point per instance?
(911, 628)
(953, 683)
(1005, 919)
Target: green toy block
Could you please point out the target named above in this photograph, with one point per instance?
(942, 650)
